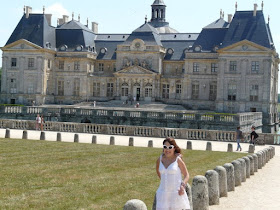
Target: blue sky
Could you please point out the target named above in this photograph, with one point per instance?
(124, 16)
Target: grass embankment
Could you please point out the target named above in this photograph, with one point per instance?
(58, 175)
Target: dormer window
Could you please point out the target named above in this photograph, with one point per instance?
(79, 48)
(63, 48)
(103, 50)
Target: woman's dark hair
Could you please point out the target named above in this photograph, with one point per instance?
(171, 141)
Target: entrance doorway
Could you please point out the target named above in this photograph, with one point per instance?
(137, 94)
(13, 101)
(253, 109)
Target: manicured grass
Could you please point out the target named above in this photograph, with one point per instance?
(59, 175)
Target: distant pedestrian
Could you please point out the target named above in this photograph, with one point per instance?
(134, 98)
(239, 137)
(253, 136)
(42, 123)
(94, 104)
(38, 122)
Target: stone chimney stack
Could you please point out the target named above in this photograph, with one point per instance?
(65, 18)
(28, 11)
(49, 18)
(229, 18)
(255, 10)
(94, 27)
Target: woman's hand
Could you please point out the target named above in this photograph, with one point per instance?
(181, 191)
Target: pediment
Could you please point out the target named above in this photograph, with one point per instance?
(135, 70)
(22, 44)
(244, 46)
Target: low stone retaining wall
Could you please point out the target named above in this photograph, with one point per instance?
(126, 130)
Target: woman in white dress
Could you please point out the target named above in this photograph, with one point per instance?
(171, 194)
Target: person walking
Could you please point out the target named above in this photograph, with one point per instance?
(171, 193)
(38, 122)
(42, 123)
(253, 136)
(239, 137)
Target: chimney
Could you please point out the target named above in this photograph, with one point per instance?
(49, 18)
(94, 27)
(65, 19)
(229, 18)
(255, 10)
(59, 21)
(28, 11)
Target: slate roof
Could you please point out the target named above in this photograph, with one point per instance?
(179, 48)
(74, 34)
(111, 49)
(245, 26)
(35, 29)
(209, 38)
(220, 23)
(147, 33)
(158, 2)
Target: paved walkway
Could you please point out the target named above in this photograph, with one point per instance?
(260, 192)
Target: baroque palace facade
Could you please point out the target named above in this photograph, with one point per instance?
(230, 66)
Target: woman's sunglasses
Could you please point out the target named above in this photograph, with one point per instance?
(168, 147)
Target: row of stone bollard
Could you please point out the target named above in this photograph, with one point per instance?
(206, 190)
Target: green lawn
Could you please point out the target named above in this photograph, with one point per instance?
(59, 175)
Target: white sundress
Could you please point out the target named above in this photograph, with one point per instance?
(167, 194)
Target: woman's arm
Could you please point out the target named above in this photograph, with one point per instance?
(157, 167)
(186, 175)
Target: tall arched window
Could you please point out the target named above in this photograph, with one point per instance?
(148, 90)
(124, 89)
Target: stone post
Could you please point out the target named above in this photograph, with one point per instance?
(131, 142)
(248, 166)
(189, 193)
(230, 177)
(251, 148)
(7, 133)
(209, 146)
(189, 145)
(135, 205)
(94, 140)
(200, 193)
(252, 170)
(243, 169)
(222, 180)
(42, 135)
(112, 140)
(259, 160)
(150, 143)
(58, 137)
(24, 135)
(237, 172)
(213, 187)
(76, 138)
(256, 162)
(230, 148)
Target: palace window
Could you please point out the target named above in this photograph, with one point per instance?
(213, 92)
(101, 67)
(49, 63)
(232, 65)
(96, 89)
(255, 66)
(232, 92)
(30, 88)
(254, 92)
(76, 65)
(30, 62)
(13, 86)
(76, 88)
(195, 91)
(110, 89)
(165, 91)
(124, 89)
(13, 62)
(61, 65)
(214, 67)
(195, 67)
(148, 90)
(60, 87)
(178, 91)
